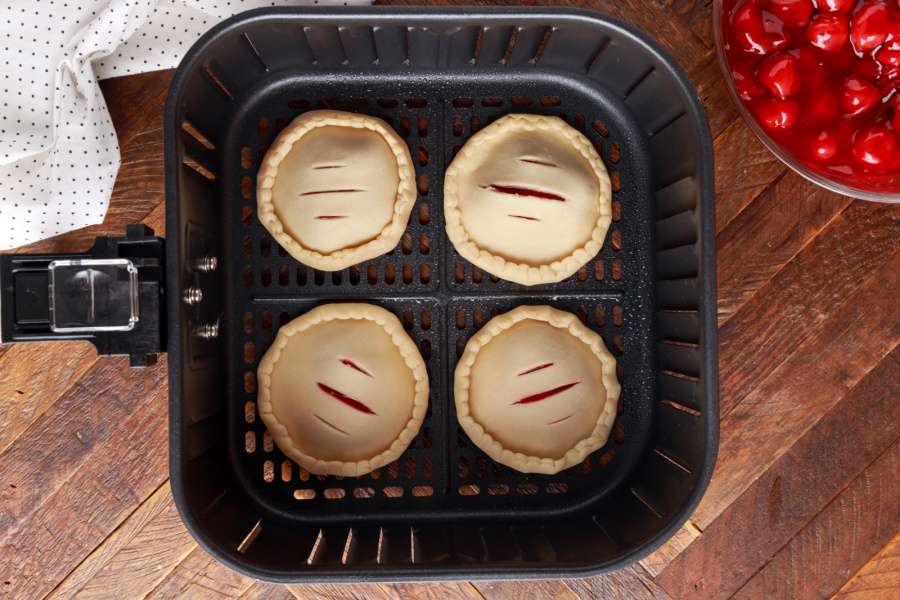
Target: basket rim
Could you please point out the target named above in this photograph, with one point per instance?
(425, 16)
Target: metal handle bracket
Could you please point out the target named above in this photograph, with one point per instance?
(111, 296)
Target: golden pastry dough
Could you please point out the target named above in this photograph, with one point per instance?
(336, 188)
(536, 390)
(343, 389)
(528, 199)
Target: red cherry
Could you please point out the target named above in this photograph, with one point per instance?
(828, 32)
(823, 106)
(858, 95)
(750, 32)
(745, 83)
(889, 80)
(895, 121)
(835, 5)
(888, 56)
(893, 32)
(893, 98)
(780, 73)
(866, 68)
(793, 13)
(824, 145)
(874, 146)
(778, 114)
(869, 26)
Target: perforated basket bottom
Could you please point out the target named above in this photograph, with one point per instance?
(441, 299)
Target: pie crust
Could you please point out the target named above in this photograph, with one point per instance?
(536, 390)
(528, 199)
(336, 188)
(343, 389)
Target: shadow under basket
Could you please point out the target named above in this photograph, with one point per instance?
(443, 510)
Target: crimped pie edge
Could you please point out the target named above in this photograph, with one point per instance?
(403, 203)
(524, 273)
(407, 349)
(492, 447)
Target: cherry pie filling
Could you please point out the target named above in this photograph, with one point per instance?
(822, 78)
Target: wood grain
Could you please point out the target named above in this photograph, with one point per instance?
(201, 577)
(838, 541)
(657, 562)
(524, 590)
(25, 394)
(744, 169)
(267, 591)
(774, 508)
(50, 527)
(879, 579)
(767, 235)
(70, 437)
(137, 556)
(353, 591)
(792, 306)
(857, 335)
(707, 79)
(629, 583)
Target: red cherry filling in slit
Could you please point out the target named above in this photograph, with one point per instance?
(523, 191)
(534, 369)
(318, 192)
(331, 217)
(546, 394)
(351, 402)
(349, 363)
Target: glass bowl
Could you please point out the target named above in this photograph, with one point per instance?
(774, 147)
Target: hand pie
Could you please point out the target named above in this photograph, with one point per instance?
(536, 390)
(527, 199)
(343, 389)
(336, 188)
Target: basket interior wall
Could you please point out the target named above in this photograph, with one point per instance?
(442, 503)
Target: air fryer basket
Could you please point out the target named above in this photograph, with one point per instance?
(443, 509)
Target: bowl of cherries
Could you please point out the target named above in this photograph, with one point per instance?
(818, 81)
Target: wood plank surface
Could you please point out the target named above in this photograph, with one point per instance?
(879, 579)
(773, 509)
(804, 499)
(837, 541)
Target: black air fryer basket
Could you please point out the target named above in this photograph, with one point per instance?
(444, 509)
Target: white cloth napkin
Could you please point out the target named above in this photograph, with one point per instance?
(58, 149)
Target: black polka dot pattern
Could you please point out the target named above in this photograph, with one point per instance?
(58, 150)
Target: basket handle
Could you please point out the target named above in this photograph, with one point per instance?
(112, 296)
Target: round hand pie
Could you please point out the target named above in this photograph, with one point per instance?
(536, 390)
(336, 188)
(343, 389)
(527, 199)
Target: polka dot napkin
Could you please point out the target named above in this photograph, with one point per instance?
(58, 149)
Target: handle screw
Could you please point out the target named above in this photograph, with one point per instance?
(192, 295)
(206, 264)
(209, 331)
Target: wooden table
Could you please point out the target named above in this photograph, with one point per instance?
(805, 501)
